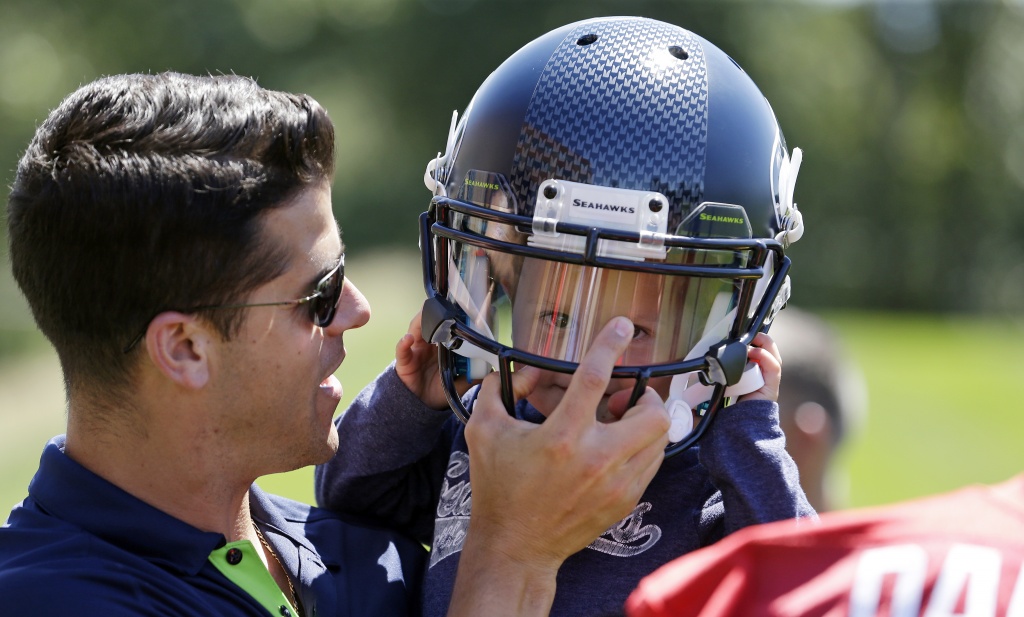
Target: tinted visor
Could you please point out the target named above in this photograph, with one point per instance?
(555, 309)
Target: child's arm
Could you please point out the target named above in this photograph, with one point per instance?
(745, 453)
(393, 447)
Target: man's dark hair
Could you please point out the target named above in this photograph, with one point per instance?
(143, 193)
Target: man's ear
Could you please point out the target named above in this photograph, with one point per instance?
(179, 345)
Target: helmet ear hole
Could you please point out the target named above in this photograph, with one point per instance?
(586, 39)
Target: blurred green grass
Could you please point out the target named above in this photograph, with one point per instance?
(937, 417)
(941, 406)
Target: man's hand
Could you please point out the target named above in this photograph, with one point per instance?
(542, 492)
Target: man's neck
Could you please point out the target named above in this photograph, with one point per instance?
(170, 470)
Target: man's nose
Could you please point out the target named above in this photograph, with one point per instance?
(353, 310)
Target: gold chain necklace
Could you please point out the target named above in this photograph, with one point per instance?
(291, 589)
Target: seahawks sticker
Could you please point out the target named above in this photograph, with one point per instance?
(715, 220)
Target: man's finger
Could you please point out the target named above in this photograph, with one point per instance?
(524, 380)
(644, 424)
(594, 372)
(643, 431)
(618, 402)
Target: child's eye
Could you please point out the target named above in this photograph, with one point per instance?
(557, 320)
(639, 332)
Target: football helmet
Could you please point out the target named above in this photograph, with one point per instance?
(613, 166)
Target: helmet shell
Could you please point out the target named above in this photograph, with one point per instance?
(630, 103)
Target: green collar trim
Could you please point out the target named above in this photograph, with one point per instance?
(240, 563)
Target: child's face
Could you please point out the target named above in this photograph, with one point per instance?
(559, 308)
(551, 388)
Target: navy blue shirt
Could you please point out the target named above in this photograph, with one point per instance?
(78, 545)
(409, 465)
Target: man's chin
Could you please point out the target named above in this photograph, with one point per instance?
(331, 446)
(324, 451)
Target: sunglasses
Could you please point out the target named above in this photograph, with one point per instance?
(323, 302)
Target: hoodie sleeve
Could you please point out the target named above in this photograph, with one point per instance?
(391, 458)
(745, 455)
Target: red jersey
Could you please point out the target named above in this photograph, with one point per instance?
(954, 554)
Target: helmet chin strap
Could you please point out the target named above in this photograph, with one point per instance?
(470, 300)
(686, 390)
(472, 352)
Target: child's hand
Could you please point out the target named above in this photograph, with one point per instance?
(416, 365)
(765, 354)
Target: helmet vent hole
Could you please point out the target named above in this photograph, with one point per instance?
(586, 39)
(678, 52)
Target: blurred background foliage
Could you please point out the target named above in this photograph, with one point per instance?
(909, 113)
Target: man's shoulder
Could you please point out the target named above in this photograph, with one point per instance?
(60, 586)
(50, 571)
(30, 539)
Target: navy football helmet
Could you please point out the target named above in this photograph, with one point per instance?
(614, 166)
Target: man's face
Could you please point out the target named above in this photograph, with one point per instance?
(277, 373)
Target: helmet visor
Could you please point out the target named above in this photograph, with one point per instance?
(555, 309)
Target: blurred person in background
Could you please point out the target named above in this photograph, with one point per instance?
(175, 240)
(822, 401)
(611, 168)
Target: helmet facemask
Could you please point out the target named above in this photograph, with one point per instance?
(500, 299)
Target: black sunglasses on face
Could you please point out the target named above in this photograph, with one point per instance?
(323, 302)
